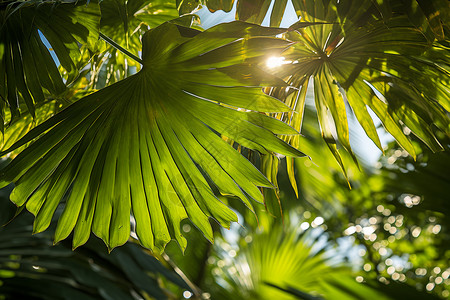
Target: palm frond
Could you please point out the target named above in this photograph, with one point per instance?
(142, 144)
(282, 263)
(246, 10)
(385, 66)
(25, 123)
(383, 58)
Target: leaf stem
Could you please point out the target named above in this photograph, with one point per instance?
(121, 49)
(196, 290)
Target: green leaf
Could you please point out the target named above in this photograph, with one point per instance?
(187, 6)
(271, 196)
(277, 13)
(252, 11)
(384, 8)
(145, 144)
(25, 123)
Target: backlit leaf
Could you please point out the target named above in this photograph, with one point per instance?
(145, 144)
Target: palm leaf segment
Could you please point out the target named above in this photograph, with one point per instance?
(27, 70)
(147, 144)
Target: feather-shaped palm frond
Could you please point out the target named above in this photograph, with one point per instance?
(149, 144)
(27, 69)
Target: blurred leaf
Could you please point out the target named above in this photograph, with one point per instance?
(280, 262)
(397, 213)
(299, 294)
(427, 177)
(57, 272)
(193, 262)
(397, 290)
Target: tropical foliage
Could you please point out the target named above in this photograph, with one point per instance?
(129, 120)
(90, 273)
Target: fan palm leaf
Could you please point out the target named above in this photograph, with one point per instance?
(386, 66)
(383, 58)
(281, 263)
(142, 144)
(431, 17)
(25, 123)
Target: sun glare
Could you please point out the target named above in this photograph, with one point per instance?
(276, 61)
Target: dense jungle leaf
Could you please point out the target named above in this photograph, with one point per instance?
(148, 144)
